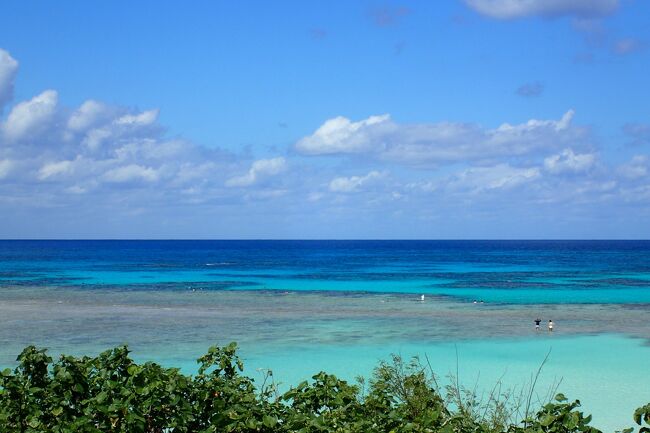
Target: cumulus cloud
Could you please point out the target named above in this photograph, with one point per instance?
(353, 183)
(28, 119)
(513, 9)
(103, 159)
(48, 149)
(501, 176)
(443, 142)
(260, 169)
(8, 70)
(89, 114)
(131, 173)
(568, 161)
(505, 185)
(341, 135)
(145, 118)
(117, 126)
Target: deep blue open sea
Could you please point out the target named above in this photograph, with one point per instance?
(303, 306)
(494, 271)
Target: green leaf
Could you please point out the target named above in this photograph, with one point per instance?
(101, 397)
(269, 421)
(57, 411)
(547, 420)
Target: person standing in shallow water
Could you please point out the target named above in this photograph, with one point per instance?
(537, 322)
(550, 326)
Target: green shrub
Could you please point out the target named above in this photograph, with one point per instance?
(112, 393)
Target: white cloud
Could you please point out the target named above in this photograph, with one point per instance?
(131, 173)
(501, 176)
(637, 168)
(5, 167)
(353, 183)
(130, 126)
(259, 169)
(145, 118)
(512, 9)
(94, 138)
(87, 115)
(122, 160)
(534, 124)
(436, 143)
(30, 117)
(76, 189)
(53, 169)
(568, 161)
(97, 147)
(340, 135)
(148, 148)
(8, 70)
(426, 186)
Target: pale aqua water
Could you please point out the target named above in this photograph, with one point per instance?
(301, 307)
(603, 371)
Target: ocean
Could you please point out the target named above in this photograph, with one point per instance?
(298, 307)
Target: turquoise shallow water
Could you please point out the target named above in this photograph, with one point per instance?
(300, 307)
(602, 371)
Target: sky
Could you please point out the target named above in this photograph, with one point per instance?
(454, 119)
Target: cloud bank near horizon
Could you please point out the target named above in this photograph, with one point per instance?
(118, 166)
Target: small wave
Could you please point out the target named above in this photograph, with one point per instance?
(219, 264)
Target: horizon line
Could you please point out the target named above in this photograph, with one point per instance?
(332, 239)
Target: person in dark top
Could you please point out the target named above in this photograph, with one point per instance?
(537, 322)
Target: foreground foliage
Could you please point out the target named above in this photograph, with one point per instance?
(112, 393)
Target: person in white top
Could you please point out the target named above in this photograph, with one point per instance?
(550, 326)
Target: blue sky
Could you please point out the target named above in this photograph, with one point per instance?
(451, 119)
